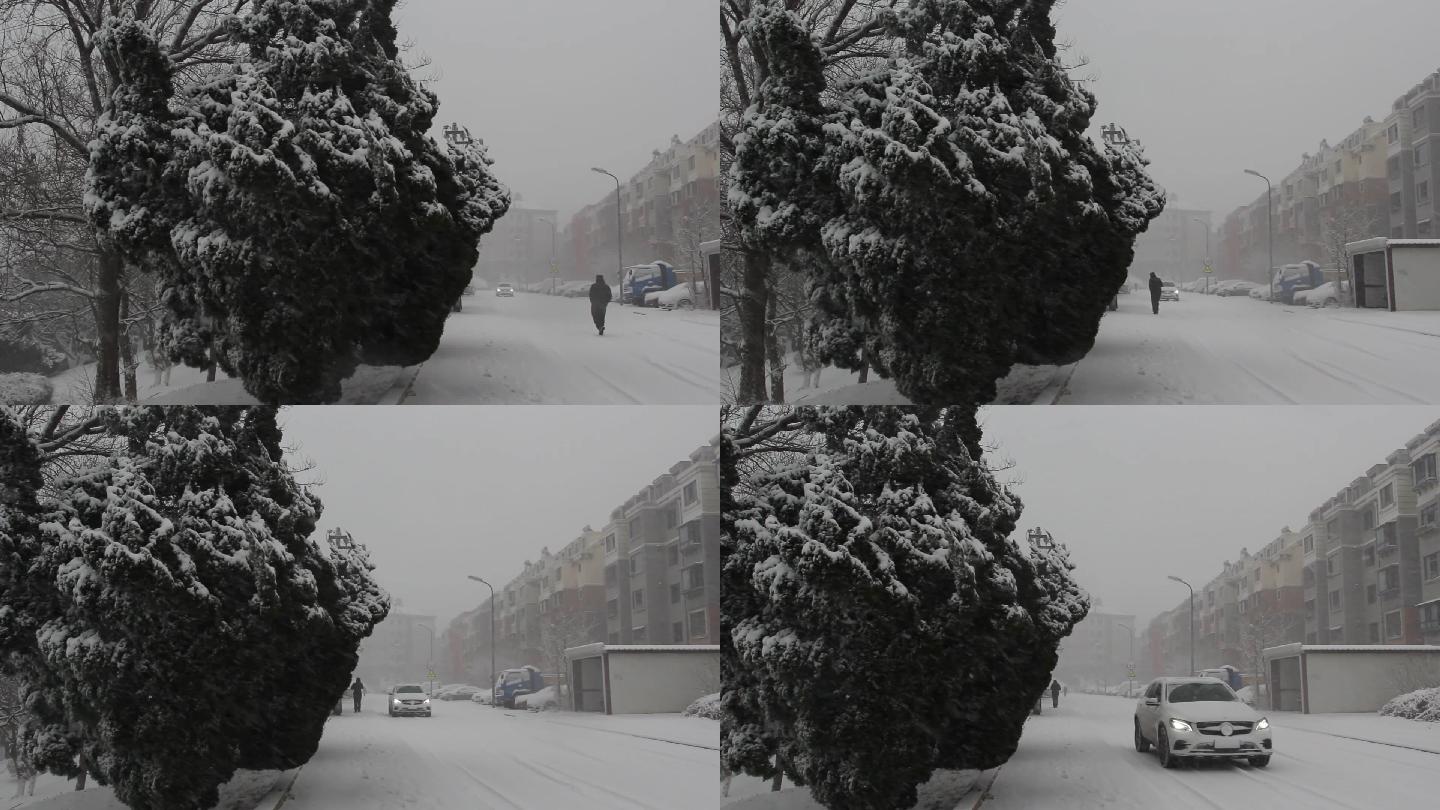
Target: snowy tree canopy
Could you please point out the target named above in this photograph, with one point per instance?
(879, 620)
(960, 218)
(300, 216)
(171, 615)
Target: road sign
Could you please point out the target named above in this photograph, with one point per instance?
(554, 269)
(432, 677)
(1207, 268)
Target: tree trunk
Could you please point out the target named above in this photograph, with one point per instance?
(773, 354)
(127, 352)
(107, 327)
(779, 773)
(754, 297)
(864, 367)
(210, 369)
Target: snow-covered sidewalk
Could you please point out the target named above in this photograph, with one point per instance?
(946, 790)
(370, 385)
(248, 790)
(1024, 385)
(1395, 731)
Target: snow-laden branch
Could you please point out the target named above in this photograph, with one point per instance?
(57, 213)
(35, 288)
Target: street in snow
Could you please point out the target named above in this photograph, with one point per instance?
(535, 348)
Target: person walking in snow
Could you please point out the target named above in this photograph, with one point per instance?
(356, 690)
(1055, 694)
(1155, 285)
(599, 299)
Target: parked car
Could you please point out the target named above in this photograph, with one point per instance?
(1234, 286)
(409, 699)
(505, 290)
(462, 692)
(1199, 718)
(1168, 292)
(480, 697)
(677, 297)
(547, 698)
(1326, 295)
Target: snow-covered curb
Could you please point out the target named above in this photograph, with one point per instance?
(275, 798)
(403, 386)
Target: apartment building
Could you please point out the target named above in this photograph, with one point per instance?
(1424, 450)
(1174, 246)
(1097, 650)
(650, 575)
(666, 210)
(399, 649)
(521, 247)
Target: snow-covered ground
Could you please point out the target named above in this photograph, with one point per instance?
(1081, 756)
(1024, 385)
(534, 349)
(475, 757)
(257, 790)
(1206, 349)
(946, 790)
(369, 385)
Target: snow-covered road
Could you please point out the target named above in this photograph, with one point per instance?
(537, 348)
(1206, 349)
(1081, 756)
(477, 758)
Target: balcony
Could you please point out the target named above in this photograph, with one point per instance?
(1390, 593)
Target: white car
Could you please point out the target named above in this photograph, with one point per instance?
(1199, 718)
(1168, 292)
(409, 698)
(505, 291)
(1323, 296)
(677, 297)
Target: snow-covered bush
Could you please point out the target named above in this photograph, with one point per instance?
(296, 210)
(24, 388)
(166, 607)
(878, 620)
(1422, 704)
(950, 213)
(707, 707)
(547, 698)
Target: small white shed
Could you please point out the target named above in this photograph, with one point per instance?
(641, 678)
(1326, 678)
(1395, 274)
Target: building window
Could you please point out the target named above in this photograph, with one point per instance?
(674, 593)
(695, 577)
(1422, 191)
(637, 599)
(699, 624)
(1337, 633)
(1309, 543)
(1369, 594)
(1428, 515)
(1390, 579)
(1417, 119)
(1395, 201)
(691, 493)
(1420, 155)
(609, 543)
(1374, 632)
(1431, 565)
(1393, 133)
(1369, 554)
(677, 632)
(637, 634)
(1430, 617)
(1387, 496)
(612, 608)
(1370, 517)
(1334, 599)
(1332, 527)
(672, 515)
(1332, 567)
(637, 564)
(1392, 624)
(672, 555)
(1423, 468)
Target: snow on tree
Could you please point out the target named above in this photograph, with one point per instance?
(311, 222)
(961, 219)
(170, 614)
(880, 622)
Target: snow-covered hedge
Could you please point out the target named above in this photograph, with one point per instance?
(25, 388)
(707, 707)
(1422, 704)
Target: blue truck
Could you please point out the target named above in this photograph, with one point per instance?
(1293, 278)
(646, 278)
(513, 683)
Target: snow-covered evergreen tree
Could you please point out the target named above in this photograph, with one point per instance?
(312, 221)
(172, 618)
(880, 621)
(961, 219)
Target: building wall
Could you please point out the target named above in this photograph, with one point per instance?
(1360, 681)
(1417, 277)
(654, 682)
(519, 248)
(1173, 246)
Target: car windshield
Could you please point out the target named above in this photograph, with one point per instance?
(1195, 692)
(409, 689)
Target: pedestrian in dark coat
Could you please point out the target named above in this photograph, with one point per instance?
(1155, 284)
(1055, 694)
(356, 690)
(599, 299)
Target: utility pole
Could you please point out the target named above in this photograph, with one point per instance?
(1270, 226)
(619, 236)
(492, 635)
(1192, 621)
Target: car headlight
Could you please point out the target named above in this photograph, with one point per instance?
(1180, 725)
(427, 701)
(396, 701)
(1263, 724)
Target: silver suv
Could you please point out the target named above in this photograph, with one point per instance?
(1200, 718)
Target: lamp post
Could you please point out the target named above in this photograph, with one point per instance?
(430, 664)
(492, 635)
(1270, 226)
(1130, 664)
(1192, 622)
(1207, 251)
(619, 235)
(554, 268)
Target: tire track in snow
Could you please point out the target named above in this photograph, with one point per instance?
(1269, 778)
(513, 805)
(688, 377)
(1265, 383)
(612, 386)
(1376, 383)
(629, 800)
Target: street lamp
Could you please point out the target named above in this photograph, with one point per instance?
(619, 235)
(1192, 622)
(554, 268)
(492, 635)
(430, 666)
(1270, 225)
(1207, 251)
(1129, 665)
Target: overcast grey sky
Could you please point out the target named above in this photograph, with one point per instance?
(1139, 493)
(1212, 88)
(439, 492)
(555, 87)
